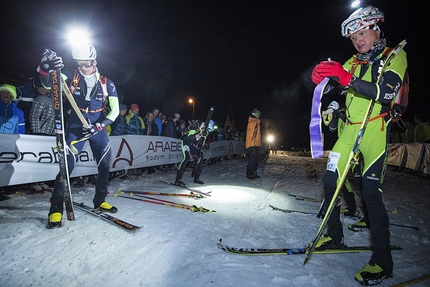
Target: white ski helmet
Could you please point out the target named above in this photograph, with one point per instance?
(361, 19)
(84, 52)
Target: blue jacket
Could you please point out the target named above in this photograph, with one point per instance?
(134, 124)
(11, 119)
(159, 123)
(118, 126)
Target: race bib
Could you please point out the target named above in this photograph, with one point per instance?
(333, 159)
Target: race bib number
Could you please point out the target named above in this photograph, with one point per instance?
(333, 159)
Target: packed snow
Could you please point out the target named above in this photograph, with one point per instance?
(177, 247)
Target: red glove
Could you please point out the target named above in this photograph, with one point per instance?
(331, 69)
(316, 77)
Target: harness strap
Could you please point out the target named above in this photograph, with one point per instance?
(372, 119)
(354, 64)
(74, 83)
(103, 83)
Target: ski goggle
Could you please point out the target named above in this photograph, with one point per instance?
(85, 64)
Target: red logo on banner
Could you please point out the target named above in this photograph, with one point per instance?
(124, 147)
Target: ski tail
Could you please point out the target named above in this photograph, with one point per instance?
(107, 217)
(199, 155)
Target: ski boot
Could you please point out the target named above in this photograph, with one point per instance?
(361, 225)
(196, 180)
(107, 207)
(179, 182)
(326, 242)
(55, 220)
(371, 274)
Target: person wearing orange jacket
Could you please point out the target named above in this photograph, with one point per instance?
(253, 143)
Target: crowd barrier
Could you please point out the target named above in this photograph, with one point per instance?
(29, 158)
(415, 156)
(33, 158)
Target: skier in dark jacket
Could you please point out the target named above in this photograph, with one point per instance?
(191, 141)
(91, 92)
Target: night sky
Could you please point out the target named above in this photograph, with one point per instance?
(235, 55)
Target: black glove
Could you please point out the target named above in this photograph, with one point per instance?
(49, 62)
(92, 129)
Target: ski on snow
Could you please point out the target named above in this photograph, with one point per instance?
(412, 281)
(190, 195)
(188, 188)
(292, 211)
(310, 199)
(107, 217)
(153, 200)
(304, 198)
(295, 251)
(315, 214)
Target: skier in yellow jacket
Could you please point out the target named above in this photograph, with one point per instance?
(360, 80)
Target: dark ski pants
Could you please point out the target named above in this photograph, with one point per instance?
(184, 163)
(101, 148)
(374, 149)
(251, 169)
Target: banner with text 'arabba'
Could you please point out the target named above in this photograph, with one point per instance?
(31, 158)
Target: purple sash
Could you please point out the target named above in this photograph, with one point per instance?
(317, 150)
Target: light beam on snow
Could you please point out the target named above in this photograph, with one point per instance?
(232, 194)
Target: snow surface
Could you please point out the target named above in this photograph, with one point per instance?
(177, 247)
